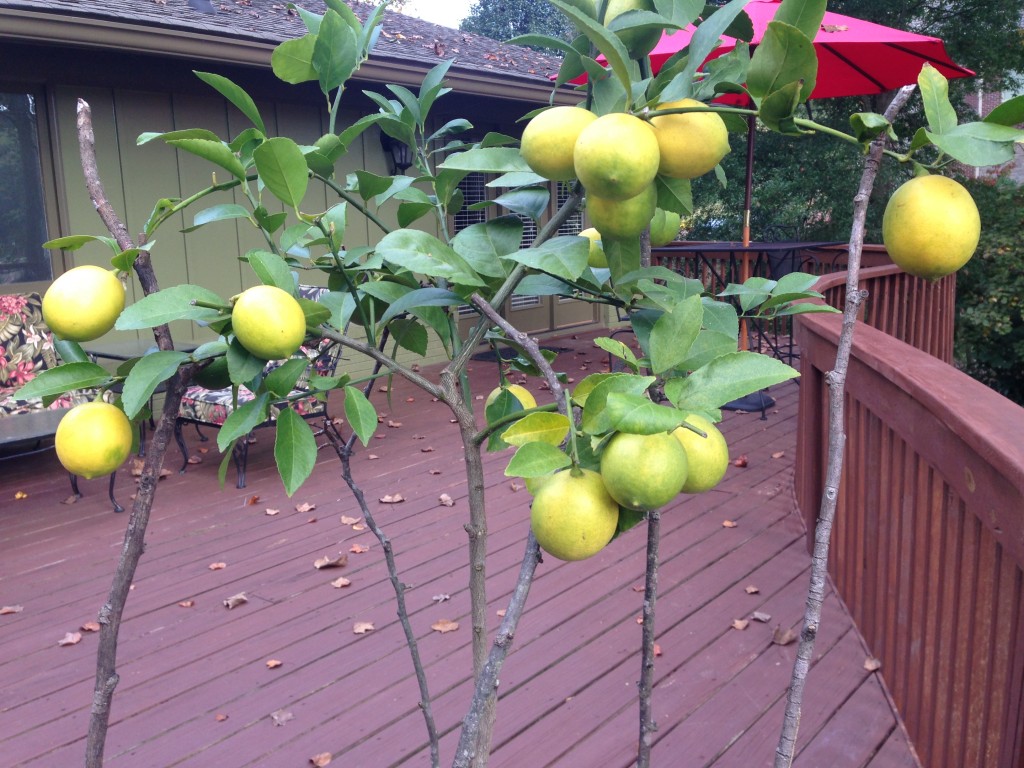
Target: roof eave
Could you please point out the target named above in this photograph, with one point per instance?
(34, 26)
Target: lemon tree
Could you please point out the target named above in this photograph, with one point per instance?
(83, 303)
(931, 226)
(93, 439)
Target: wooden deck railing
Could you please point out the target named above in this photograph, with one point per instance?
(928, 546)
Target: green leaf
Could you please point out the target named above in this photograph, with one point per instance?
(188, 133)
(589, 383)
(1010, 112)
(564, 257)
(550, 428)
(617, 349)
(707, 36)
(674, 195)
(281, 381)
(727, 378)
(536, 459)
(70, 351)
(805, 15)
(784, 56)
(243, 420)
(335, 53)
(595, 417)
(867, 126)
(294, 449)
(542, 285)
(432, 85)
(422, 297)
(529, 201)
(410, 334)
(224, 212)
(421, 252)
(978, 144)
(236, 96)
(243, 366)
(64, 378)
(271, 269)
(292, 60)
(779, 108)
(215, 152)
(147, 374)
(674, 333)
(74, 242)
(361, 415)
(489, 160)
(935, 96)
(721, 316)
(637, 415)
(169, 304)
(706, 347)
(608, 43)
(483, 244)
(283, 169)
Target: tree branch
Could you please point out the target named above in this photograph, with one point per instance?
(836, 440)
(648, 726)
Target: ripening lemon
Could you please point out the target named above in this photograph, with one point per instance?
(83, 303)
(690, 143)
(596, 257)
(620, 219)
(521, 393)
(643, 471)
(93, 439)
(638, 42)
(616, 156)
(549, 139)
(268, 322)
(664, 227)
(707, 458)
(931, 226)
(573, 517)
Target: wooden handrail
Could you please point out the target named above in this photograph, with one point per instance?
(928, 547)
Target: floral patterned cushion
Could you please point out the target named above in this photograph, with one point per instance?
(26, 349)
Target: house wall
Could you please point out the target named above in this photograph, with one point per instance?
(132, 94)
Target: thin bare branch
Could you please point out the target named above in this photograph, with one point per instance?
(836, 440)
(648, 726)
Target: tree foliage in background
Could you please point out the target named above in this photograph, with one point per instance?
(990, 293)
(505, 19)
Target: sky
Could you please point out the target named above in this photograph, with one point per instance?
(446, 12)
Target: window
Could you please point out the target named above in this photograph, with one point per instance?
(22, 213)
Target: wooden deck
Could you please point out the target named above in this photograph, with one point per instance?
(196, 689)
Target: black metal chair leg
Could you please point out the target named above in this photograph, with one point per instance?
(180, 440)
(74, 486)
(202, 438)
(110, 493)
(241, 457)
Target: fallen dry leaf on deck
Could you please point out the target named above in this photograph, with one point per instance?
(410, 399)
(217, 566)
(359, 548)
(305, 507)
(235, 600)
(7, 610)
(220, 717)
(778, 454)
(19, 495)
(252, 501)
(346, 520)
(272, 512)
(638, 587)
(871, 664)
(516, 487)
(362, 627)
(740, 461)
(204, 450)
(739, 624)
(434, 471)
(281, 716)
(340, 561)
(761, 616)
(728, 524)
(428, 449)
(340, 582)
(187, 603)
(383, 388)
(70, 500)
(274, 663)
(419, 437)
(195, 459)
(311, 520)
(71, 638)
(444, 625)
(657, 650)
(372, 456)
(392, 498)
(441, 598)
(639, 619)
(358, 527)
(750, 589)
(500, 612)
(90, 626)
(394, 424)
(446, 500)
(784, 636)
(319, 761)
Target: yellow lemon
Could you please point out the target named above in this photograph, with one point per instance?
(707, 458)
(664, 227)
(93, 439)
(549, 139)
(620, 219)
(690, 143)
(573, 517)
(643, 472)
(268, 322)
(596, 257)
(83, 303)
(616, 156)
(931, 226)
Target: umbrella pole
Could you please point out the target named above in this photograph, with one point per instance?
(748, 194)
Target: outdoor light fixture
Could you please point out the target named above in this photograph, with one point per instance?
(398, 155)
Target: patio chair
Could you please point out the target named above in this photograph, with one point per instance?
(211, 407)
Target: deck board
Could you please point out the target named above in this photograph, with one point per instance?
(568, 689)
